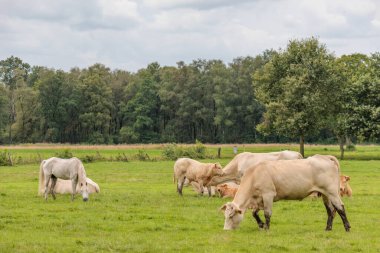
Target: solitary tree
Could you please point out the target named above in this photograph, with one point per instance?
(299, 88)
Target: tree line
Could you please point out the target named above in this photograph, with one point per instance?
(300, 93)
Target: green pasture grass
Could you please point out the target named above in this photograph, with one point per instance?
(28, 154)
(138, 210)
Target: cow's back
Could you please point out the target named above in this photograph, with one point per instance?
(296, 179)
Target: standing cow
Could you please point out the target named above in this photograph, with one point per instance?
(271, 181)
(194, 171)
(241, 162)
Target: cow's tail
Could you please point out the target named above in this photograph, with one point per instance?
(337, 166)
(41, 180)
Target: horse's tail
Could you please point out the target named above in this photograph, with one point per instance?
(41, 178)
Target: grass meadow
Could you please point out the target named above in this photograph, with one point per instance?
(138, 210)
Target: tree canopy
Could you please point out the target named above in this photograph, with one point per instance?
(300, 93)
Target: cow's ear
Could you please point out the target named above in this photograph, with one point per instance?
(215, 166)
(347, 178)
(223, 208)
(239, 211)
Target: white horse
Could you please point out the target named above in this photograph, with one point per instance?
(64, 187)
(72, 169)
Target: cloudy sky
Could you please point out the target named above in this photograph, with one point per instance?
(129, 34)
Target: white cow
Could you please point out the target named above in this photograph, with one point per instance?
(271, 181)
(241, 162)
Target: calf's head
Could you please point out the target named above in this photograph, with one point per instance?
(217, 169)
(232, 216)
(345, 188)
(222, 189)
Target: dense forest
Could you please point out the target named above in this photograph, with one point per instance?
(300, 93)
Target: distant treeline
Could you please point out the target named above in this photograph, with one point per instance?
(302, 92)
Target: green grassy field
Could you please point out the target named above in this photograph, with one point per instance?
(138, 210)
(34, 153)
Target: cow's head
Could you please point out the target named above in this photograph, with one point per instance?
(232, 215)
(345, 188)
(217, 169)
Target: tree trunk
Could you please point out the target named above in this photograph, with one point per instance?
(341, 146)
(302, 145)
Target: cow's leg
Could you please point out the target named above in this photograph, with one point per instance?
(181, 181)
(74, 182)
(255, 215)
(209, 190)
(47, 180)
(201, 187)
(330, 212)
(268, 203)
(53, 182)
(338, 205)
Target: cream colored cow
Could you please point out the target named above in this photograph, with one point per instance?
(271, 181)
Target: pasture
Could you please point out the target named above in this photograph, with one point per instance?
(138, 210)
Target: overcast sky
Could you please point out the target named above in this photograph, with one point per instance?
(129, 34)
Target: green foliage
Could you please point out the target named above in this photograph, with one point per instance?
(303, 90)
(65, 154)
(5, 158)
(173, 151)
(142, 156)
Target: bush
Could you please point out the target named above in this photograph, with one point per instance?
(173, 152)
(6, 158)
(142, 156)
(351, 147)
(65, 154)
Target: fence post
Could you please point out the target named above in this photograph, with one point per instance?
(219, 151)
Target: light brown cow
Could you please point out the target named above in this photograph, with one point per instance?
(238, 165)
(227, 190)
(271, 181)
(195, 171)
(345, 188)
(65, 187)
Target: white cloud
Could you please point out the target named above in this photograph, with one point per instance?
(129, 34)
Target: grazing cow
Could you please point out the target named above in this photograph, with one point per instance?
(227, 190)
(65, 187)
(238, 165)
(345, 188)
(186, 168)
(271, 181)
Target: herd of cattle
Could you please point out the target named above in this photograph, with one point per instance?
(256, 180)
(253, 180)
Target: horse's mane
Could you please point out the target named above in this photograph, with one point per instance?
(81, 173)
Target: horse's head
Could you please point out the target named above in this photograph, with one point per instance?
(84, 190)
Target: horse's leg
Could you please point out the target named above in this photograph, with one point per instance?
(53, 182)
(47, 180)
(74, 183)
